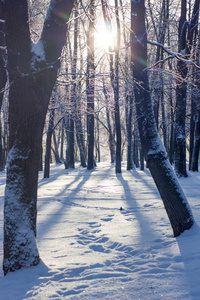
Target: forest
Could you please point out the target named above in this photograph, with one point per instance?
(91, 81)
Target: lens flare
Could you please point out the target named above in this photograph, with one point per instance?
(61, 14)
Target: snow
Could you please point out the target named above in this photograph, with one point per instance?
(38, 52)
(92, 249)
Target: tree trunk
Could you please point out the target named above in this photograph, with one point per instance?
(171, 193)
(3, 79)
(136, 148)
(62, 142)
(181, 94)
(55, 151)
(32, 74)
(116, 95)
(192, 41)
(171, 139)
(192, 128)
(129, 125)
(110, 130)
(97, 141)
(80, 142)
(48, 144)
(141, 160)
(67, 160)
(90, 82)
(195, 155)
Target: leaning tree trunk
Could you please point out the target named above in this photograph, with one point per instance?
(171, 193)
(32, 71)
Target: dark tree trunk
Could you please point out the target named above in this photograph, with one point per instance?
(141, 160)
(66, 122)
(116, 95)
(107, 96)
(48, 144)
(97, 141)
(62, 142)
(180, 138)
(181, 94)
(80, 142)
(192, 42)
(32, 79)
(129, 125)
(136, 148)
(195, 155)
(41, 159)
(90, 82)
(171, 139)
(55, 150)
(70, 144)
(114, 77)
(171, 193)
(110, 130)
(3, 79)
(75, 91)
(192, 129)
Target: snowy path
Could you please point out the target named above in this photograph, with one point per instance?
(91, 249)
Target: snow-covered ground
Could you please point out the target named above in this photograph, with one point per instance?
(107, 236)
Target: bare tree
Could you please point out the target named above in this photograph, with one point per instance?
(32, 73)
(3, 79)
(171, 193)
(90, 83)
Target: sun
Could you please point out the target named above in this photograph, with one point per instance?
(104, 37)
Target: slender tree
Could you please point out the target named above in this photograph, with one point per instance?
(195, 154)
(192, 44)
(181, 94)
(116, 94)
(111, 129)
(90, 82)
(3, 79)
(73, 91)
(48, 143)
(32, 73)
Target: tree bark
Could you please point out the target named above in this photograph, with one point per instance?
(90, 82)
(32, 73)
(56, 145)
(129, 126)
(181, 94)
(192, 128)
(80, 142)
(116, 95)
(171, 193)
(110, 129)
(136, 148)
(3, 79)
(48, 144)
(195, 154)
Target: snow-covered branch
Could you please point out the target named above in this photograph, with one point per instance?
(172, 54)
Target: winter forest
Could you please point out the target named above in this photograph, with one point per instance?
(99, 95)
